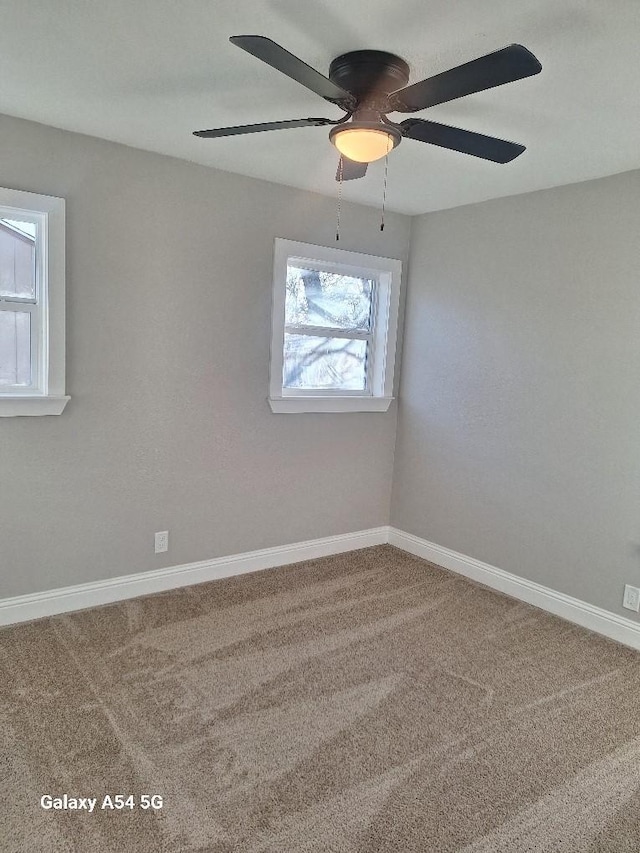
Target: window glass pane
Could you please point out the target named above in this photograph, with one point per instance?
(15, 348)
(327, 299)
(312, 362)
(17, 259)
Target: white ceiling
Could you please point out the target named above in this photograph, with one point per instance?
(148, 72)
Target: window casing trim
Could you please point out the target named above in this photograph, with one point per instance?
(46, 395)
(386, 274)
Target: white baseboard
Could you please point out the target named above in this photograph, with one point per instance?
(573, 609)
(23, 608)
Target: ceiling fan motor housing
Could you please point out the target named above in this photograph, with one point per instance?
(369, 75)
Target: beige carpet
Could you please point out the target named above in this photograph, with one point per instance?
(364, 703)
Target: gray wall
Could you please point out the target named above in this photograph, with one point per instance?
(519, 422)
(518, 439)
(168, 315)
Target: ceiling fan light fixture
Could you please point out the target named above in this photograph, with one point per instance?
(364, 142)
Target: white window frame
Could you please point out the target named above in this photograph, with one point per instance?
(46, 395)
(386, 274)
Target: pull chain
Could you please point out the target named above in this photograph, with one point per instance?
(384, 192)
(340, 169)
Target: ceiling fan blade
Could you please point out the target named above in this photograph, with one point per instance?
(465, 141)
(503, 66)
(257, 128)
(277, 57)
(350, 169)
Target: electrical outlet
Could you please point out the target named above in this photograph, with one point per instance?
(631, 598)
(162, 542)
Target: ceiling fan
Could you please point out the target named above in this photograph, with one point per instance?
(369, 84)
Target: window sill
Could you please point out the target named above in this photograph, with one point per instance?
(22, 405)
(296, 405)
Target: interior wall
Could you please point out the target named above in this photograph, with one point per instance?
(518, 440)
(169, 278)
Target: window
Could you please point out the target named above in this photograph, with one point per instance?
(334, 329)
(31, 304)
